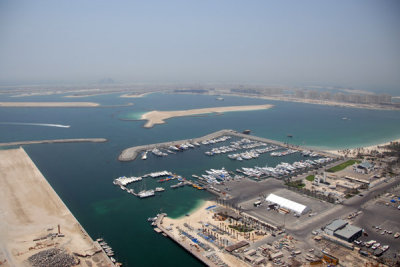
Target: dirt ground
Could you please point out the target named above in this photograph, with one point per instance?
(30, 214)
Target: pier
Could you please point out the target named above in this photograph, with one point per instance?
(131, 153)
(77, 140)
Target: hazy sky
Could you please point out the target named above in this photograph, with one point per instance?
(349, 43)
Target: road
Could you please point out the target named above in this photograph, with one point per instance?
(302, 230)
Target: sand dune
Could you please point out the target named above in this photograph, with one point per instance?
(159, 117)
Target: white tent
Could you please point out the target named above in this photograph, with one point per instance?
(287, 204)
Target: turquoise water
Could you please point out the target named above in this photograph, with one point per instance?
(82, 174)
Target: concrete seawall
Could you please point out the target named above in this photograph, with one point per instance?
(79, 140)
(132, 152)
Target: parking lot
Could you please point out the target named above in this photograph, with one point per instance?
(287, 220)
(380, 221)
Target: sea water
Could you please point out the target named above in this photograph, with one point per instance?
(82, 173)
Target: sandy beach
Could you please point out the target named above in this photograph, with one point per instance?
(48, 104)
(366, 149)
(158, 117)
(30, 214)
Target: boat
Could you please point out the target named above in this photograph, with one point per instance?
(159, 189)
(144, 155)
(173, 148)
(289, 135)
(151, 219)
(146, 193)
(180, 184)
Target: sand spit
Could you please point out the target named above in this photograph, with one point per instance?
(134, 95)
(79, 140)
(159, 117)
(49, 104)
(34, 219)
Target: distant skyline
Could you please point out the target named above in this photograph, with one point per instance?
(354, 43)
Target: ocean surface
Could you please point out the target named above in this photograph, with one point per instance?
(82, 173)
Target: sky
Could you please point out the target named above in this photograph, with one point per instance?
(350, 43)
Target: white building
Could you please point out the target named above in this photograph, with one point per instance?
(287, 204)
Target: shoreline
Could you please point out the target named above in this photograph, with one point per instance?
(158, 117)
(198, 205)
(366, 149)
(49, 104)
(298, 100)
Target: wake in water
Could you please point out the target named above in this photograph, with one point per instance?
(36, 124)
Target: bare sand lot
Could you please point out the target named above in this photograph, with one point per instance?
(49, 104)
(34, 220)
(159, 117)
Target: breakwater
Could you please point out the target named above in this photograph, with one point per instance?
(77, 140)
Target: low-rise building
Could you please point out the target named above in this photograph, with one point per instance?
(287, 204)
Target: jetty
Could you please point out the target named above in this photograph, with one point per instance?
(52, 141)
(36, 226)
(131, 153)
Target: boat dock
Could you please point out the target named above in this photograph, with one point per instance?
(195, 252)
(131, 153)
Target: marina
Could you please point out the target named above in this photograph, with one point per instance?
(246, 142)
